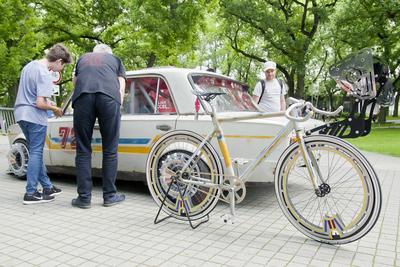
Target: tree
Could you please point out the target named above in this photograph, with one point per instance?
(213, 50)
(19, 43)
(142, 33)
(376, 25)
(288, 29)
(161, 32)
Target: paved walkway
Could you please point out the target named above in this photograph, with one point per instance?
(55, 234)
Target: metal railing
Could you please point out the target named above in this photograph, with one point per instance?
(6, 118)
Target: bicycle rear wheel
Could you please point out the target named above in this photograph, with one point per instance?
(350, 197)
(167, 157)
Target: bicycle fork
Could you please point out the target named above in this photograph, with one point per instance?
(310, 162)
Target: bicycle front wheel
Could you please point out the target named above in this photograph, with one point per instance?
(168, 157)
(348, 203)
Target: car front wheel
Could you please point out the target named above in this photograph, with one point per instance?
(18, 158)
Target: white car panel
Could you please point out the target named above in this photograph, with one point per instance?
(159, 100)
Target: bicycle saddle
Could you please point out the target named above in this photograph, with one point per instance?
(208, 96)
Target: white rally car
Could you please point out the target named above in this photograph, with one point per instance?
(158, 100)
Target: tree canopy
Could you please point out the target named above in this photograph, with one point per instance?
(232, 36)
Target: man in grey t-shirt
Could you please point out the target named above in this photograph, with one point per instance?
(30, 110)
(99, 89)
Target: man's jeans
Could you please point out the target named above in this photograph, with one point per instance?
(35, 135)
(88, 107)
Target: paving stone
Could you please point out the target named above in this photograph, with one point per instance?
(125, 235)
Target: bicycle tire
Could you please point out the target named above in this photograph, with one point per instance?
(171, 152)
(343, 168)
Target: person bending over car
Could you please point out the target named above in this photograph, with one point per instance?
(99, 81)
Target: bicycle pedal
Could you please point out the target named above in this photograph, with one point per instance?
(228, 219)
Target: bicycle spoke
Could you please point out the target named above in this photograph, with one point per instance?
(344, 200)
(168, 159)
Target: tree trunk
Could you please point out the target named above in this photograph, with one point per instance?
(228, 71)
(382, 114)
(151, 60)
(299, 93)
(290, 84)
(330, 97)
(248, 70)
(396, 105)
(12, 94)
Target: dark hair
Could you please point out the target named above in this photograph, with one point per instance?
(59, 51)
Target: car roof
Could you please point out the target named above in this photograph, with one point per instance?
(169, 70)
(178, 80)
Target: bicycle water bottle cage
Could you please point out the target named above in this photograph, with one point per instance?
(355, 75)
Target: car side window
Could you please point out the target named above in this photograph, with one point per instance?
(147, 95)
(164, 100)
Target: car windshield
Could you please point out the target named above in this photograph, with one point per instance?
(236, 97)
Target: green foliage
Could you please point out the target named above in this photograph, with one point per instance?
(287, 29)
(19, 43)
(159, 32)
(142, 33)
(304, 37)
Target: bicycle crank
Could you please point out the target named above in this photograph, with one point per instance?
(240, 191)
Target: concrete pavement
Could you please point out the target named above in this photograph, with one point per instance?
(55, 234)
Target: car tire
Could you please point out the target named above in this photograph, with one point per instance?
(18, 157)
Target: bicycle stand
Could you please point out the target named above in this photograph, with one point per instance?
(156, 221)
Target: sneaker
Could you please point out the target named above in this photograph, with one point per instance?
(36, 198)
(53, 191)
(77, 202)
(114, 200)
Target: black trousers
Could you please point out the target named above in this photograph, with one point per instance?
(87, 108)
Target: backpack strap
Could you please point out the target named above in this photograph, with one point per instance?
(280, 84)
(262, 90)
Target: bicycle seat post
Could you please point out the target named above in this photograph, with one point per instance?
(229, 171)
(227, 218)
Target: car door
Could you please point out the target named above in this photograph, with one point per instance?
(61, 141)
(148, 112)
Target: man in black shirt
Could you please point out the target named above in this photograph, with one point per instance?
(99, 89)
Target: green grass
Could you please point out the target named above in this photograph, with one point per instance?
(380, 140)
(392, 118)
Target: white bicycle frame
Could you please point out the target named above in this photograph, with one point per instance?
(293, 124)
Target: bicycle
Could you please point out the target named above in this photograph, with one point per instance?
(325, 187)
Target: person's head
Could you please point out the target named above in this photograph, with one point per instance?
(269, 70)
(102, 48)
(57, 56)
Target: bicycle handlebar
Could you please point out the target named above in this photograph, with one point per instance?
(311, 109)
(298, 119)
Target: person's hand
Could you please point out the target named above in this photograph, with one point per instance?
(58, 112)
